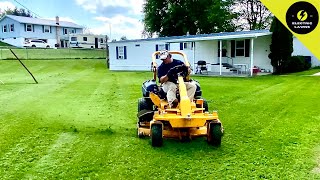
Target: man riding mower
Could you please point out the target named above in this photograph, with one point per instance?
(164, 112)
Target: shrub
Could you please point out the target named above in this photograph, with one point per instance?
(297, 64)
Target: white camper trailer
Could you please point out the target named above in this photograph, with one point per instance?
(87, 41)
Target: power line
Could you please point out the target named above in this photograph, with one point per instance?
(27, 8)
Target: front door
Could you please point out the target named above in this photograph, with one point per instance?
(96, 43)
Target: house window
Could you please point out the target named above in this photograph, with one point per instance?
(101, 40)
(46, 29)
(186, 45)
(137, 45)
(12, 27)
(5, 29)
(240, 48)
(73, 38)
(65, 31)
(161, 47)
(85, 39)
(121, 52)
(73, 31)
(29, 27)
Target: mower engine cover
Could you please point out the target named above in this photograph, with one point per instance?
(149, 86)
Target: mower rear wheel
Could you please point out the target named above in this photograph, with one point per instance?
(205, 103)
(215, 134)
(143, 104)
(156, 135)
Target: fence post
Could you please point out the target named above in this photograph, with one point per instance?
(27, 53)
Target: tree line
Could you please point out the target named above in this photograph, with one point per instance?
(182, 17)
(16, 12)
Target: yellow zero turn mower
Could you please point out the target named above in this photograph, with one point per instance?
(189, 119)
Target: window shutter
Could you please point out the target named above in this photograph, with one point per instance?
(233, 48)
(167, 46)
(25, 27)
(125, 52)
(32, 27)
(1, 28)
(247, 47)
(181, 46)
(50, 30)
(43, 29)
(218, 48)
(157, 49)
(117, 52)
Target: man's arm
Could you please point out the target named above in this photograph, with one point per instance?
(164, 79)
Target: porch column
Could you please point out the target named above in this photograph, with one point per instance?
(220, 57)
(251, 57)
(194, 54)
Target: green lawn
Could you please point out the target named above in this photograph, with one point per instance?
(79, 122)
(32, 53)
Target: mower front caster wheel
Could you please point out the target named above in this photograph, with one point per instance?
(156, 135)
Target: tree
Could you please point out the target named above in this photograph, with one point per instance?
(176, 18)
(281, 46)
(16, 12)
(252, 14)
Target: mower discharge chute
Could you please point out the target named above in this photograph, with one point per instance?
(189, 119)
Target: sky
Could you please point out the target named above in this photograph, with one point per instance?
(115, 18)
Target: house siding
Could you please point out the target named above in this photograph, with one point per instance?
(138, 57)
(300, 50)
(19, 35)
(9, 34)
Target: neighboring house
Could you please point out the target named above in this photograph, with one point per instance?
(87, 41)
(242, 51)
(16, 30)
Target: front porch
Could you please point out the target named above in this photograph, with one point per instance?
(228, 55)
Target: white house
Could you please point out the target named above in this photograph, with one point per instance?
(242, 51)
(15, 30)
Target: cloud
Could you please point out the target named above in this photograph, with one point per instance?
(6, 5)
(112, 7)
(122, 16)
(120, 26)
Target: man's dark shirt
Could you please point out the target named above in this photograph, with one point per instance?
(164, 68)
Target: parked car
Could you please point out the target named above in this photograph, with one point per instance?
(36, 44)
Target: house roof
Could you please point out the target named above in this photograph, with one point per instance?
(204, 37)
(30, 20)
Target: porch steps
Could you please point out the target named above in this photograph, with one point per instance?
(225, 67)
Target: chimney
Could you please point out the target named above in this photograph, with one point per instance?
(57, 20)
(57, 31)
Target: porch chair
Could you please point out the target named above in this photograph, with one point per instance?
(201, 66)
